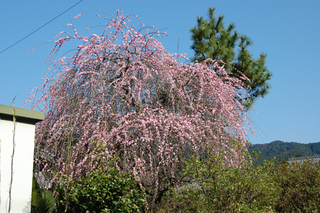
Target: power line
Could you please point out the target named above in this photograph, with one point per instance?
(41, 26)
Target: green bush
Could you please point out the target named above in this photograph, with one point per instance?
(272, 187)
(42, 200)
(225, 189)
(102, 191)
(300, 187)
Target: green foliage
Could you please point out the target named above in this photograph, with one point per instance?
(300, 187)
(102, 191)
(271, 187)
(211, 39)
(105, 189)
(42, 201)
(226, 189)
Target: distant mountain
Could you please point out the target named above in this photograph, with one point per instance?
(284, 150)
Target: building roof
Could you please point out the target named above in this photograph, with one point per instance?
(21, 115)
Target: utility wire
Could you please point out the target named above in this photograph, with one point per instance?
(41, 26)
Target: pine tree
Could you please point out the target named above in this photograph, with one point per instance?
(212, 40)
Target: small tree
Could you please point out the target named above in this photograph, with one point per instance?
(211, 39)
(142, 105)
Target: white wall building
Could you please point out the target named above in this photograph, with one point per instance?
(16, 150)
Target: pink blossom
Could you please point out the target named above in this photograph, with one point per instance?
(77, 16)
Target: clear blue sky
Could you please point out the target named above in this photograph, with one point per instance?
(287, 31)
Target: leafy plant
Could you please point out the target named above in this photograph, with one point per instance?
(275, 186)
(103, 191)
(300, 186)
(224, 188)
(42, 200)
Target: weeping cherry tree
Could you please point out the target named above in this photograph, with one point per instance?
(122, 94)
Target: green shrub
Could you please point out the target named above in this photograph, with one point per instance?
(42, 200)
(272, 187)
(225, 189)
(300, 187)
(102, 191)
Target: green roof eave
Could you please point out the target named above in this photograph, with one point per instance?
(21, 115)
